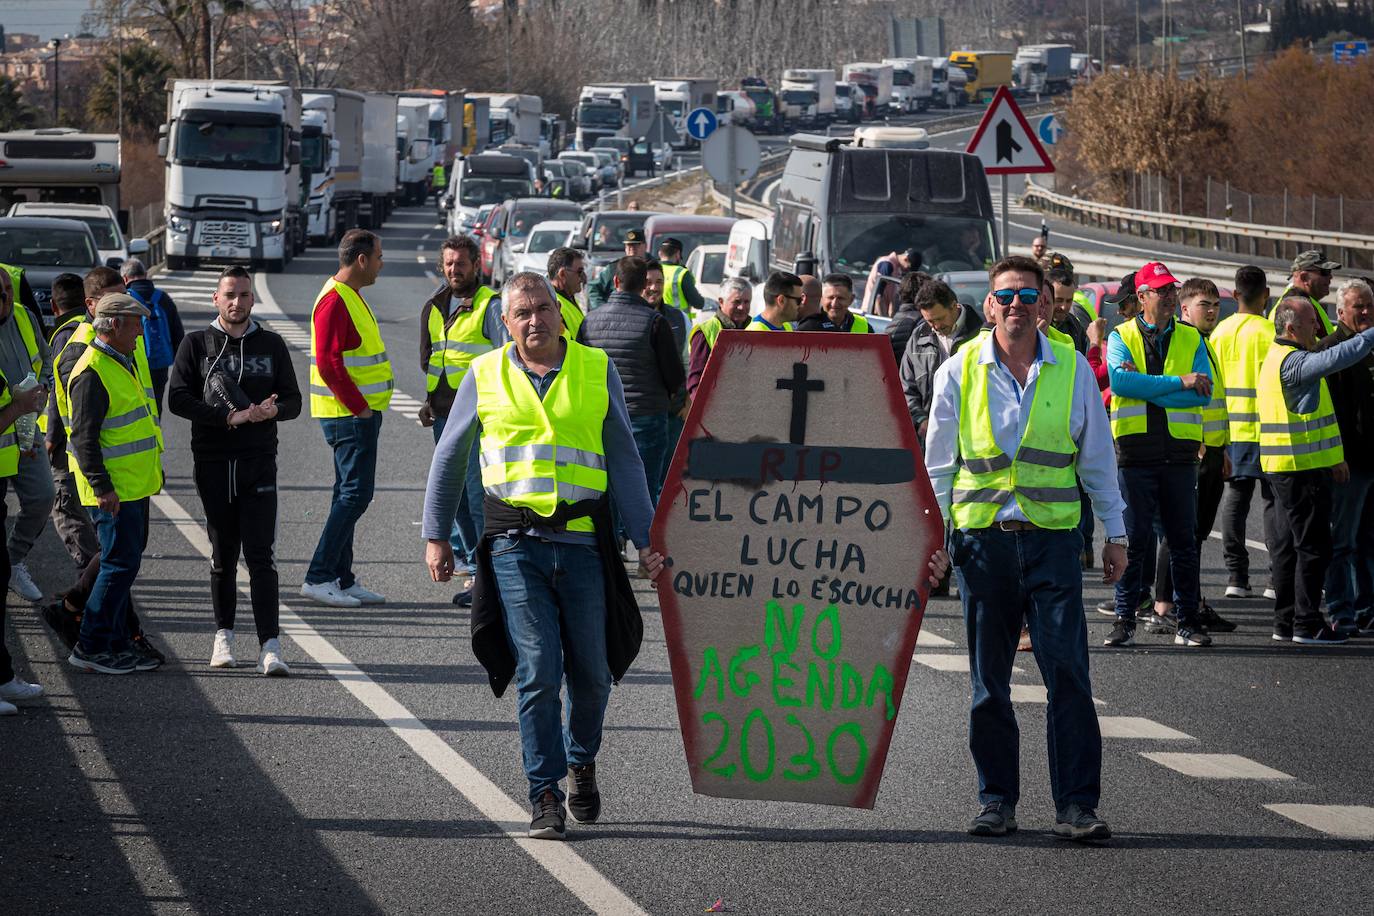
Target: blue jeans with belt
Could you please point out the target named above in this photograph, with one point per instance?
(354, 441)
(554, 602)
(1006, 577)
(105, 621)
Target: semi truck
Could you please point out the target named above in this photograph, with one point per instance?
(379, 173)
(911, 82)
(514, 118)
(808, 97)
(734, 107)
(875, 78)
(233, 177)
(1043, 69)
(947, 84)
(415, 149)
(986, 71)
(331, 157)
(680, 95)
(613, 110)
(767, 109)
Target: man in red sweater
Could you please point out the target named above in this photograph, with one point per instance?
(350, 388)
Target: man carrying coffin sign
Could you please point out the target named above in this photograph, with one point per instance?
(1016, 421)
(795, 545)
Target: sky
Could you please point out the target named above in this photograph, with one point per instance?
(47, 19)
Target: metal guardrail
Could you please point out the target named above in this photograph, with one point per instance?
(1252, 239)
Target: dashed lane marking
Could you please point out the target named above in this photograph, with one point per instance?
(1254, 545)
(590, 886)
(1214, 766)
(1036, 693)
(944, 661)
(1138, 727)
(1348, 822)
(928, 640)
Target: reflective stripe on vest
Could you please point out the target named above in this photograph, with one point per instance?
(1294, 441)
(572, 316)
(453, 348)
(1129, 414)
(367, 365)
(672, 286)
(1214, 420)
(9, 439)
(1241, 343)
(1040, 479)
(129, 438)
(537, 453)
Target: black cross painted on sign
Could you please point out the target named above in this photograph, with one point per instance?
(801, 390)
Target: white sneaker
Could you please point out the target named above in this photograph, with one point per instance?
(364, 596)
(22, 584)
(328, 593)
(19, 690)
(1270, 594)
(8, 709)
(1237, 591)
(269, 660)
(223, 654)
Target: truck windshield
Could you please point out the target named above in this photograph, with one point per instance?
(48, 248)
(799, 96)
(474, 192)
(312, 152)
(903, 78)
(842, 91)
(598, 115)
(761, 98)
(672, 106)
(216, 145)
(967, 66)
(946, 242)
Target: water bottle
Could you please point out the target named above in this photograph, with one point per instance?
(25, 426)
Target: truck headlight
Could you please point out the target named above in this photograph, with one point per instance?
(274, 227)
(179, 224)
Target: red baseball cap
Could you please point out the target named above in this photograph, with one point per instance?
(1153, 276)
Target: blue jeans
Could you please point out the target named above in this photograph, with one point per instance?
(104, 623)
(354, 441)
(1006, 577)
(469, 520)
(675, 426)
(554, 603)
(1166, 493)
(651, 438)
(1350, 577)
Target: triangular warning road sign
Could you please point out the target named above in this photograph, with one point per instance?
(1005, 142)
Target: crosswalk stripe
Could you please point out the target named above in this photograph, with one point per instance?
(943, 661)
(1138, 727)
(1036, 693)
(929, 640)
(1349, 822)
(1214, 766)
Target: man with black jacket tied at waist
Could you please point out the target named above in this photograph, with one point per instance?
(234, 382)
(555, 439)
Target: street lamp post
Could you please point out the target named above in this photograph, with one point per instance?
(56, 45)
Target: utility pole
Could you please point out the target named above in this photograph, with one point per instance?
(1240, 22)
(1137, 34)
(56, 45)
(1102, 30)
(119, 71)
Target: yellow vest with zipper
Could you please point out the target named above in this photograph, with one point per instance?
(1241, 343)
(130, 441)
(672, 286)
(452, 349)
(43, 415)
(1129, 414)
(367, 365)
(1294, 441)
(538, 453)
(1040, 479)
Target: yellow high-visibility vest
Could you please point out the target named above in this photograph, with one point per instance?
(130, 441)
(81, 339)
(9, 439)
(757, 324)
(572, 316)
(452, 349)
(367, 365)
(672, 286)
(1241, 342)
(1294, 441)
(538, 453)
(1214, 419)
(1129, 414)
(1040, 478)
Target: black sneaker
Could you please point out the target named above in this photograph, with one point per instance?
(996, 819)
(1161, 624)
(1108, 607)
(584, 798)
(1123, 634)
(1323, 637)
(548, 823)
(149, 658)
(65, 624)
(1076, 822)
(464, 598)
(1192, 637)
(1282, 632)
(1213, 622)
(103, 662)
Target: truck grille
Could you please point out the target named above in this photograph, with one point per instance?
(224, 232)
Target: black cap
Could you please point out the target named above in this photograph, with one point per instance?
(1124, 293)
(913, 258)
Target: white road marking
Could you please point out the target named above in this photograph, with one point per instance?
(929, 640)
(594, 889)
(1349, 822)
(1254, 545)
(941, 662)
(1036, 693)
(1138, 727)
(1214, 766)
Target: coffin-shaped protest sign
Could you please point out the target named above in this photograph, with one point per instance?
(796, 522)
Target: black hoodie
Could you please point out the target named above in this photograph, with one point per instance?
(260, 363)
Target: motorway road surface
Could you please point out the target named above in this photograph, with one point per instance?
(383, 777)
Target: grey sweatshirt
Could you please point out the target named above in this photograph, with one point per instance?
(1302, 370)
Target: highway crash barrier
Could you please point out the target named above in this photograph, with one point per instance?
(1355, 252)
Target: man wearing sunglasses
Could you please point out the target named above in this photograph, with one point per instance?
(1312, 278)
(782, 297)
(567, 276)
(1161, 381)
(1015, 423)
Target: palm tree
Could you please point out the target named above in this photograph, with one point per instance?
(145, 95)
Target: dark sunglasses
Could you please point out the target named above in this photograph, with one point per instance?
(1029, 296)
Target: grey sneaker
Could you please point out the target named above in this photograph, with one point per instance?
(996, 819)
(1122, 635)
(1076, 822)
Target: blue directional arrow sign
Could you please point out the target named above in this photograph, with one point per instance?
(701, 123)
(1049, 129)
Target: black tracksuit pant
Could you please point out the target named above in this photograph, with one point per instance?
(240, 499)
(1301, 549)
